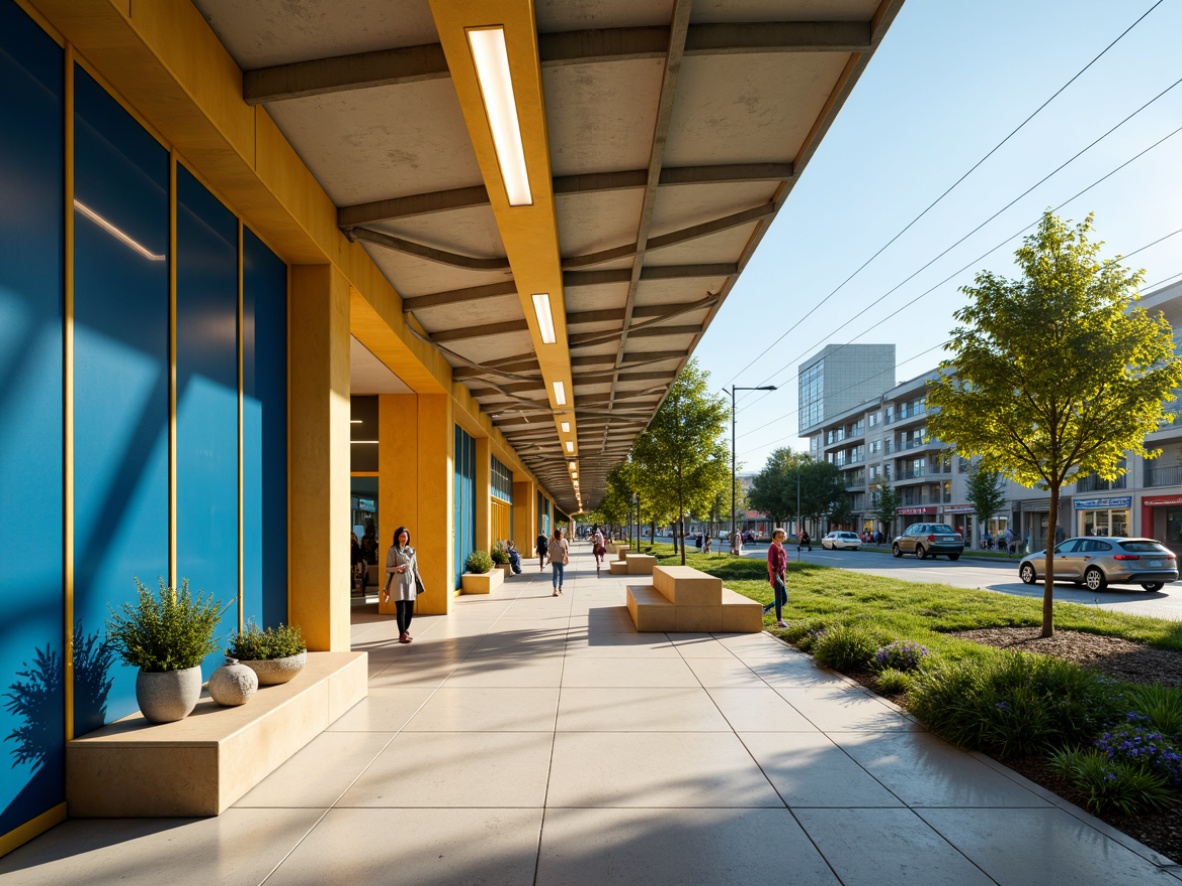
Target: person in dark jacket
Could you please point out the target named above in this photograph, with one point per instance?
(540, 547)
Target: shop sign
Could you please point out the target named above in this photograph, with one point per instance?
(1102, 504)
(927, 509)
(959, 509)
(1159, 501)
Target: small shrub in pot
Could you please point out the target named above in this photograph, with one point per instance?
(478, 562)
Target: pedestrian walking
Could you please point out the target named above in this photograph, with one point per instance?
(540, 548)
(805, 541)
(777, 569)
(598, 548)
(558, 550)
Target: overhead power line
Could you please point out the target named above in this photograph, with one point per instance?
(949, 190)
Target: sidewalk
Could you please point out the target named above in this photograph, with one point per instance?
(527, 739)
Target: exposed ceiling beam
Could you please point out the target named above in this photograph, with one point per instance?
(455, 296)
(479, 330)
(477, 195)
(430, 253)
(413, 64)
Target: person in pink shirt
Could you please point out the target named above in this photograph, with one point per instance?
(777, 568)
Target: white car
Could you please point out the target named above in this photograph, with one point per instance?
(841, 541)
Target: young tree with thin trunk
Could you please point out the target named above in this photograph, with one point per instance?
(1056, 374)
(885, 502)
(986, 493)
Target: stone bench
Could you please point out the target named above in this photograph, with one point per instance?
(685, 599)
(201, 765)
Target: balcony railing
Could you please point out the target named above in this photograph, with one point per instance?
(913, 474)
(855, 482)
(1095, 484)
(1162, 475)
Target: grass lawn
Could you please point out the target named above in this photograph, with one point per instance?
(924, 613)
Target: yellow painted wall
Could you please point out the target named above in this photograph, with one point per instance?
(525, 518)
(318, 591)
(436, 465)
(500, 519)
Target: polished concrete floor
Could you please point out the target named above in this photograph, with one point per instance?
(531, 739)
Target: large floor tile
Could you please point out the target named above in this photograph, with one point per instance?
(639, 710)
(1033, 847)
(238, 846)
(807, 769)
(724, 672)
(456, 769)
(638, 671)
(873, 847)
(487, 709)
(508, 670)
(424, 847)
(923, 770)
(845, 709)
(304, 780)
(758, 710)
(789, 671)
(672, 770)
(606, 644)
(383, 709)
(719, 847)
(700, 646)
(429, 673)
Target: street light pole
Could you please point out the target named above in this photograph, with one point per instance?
(733, 440)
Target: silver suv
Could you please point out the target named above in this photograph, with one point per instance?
(929, 540)
(1097, 561)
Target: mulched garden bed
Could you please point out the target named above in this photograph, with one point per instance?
(1118, 659)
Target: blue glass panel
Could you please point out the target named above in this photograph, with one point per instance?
(465, 500)
(120, 378)
(32, 769)
(207, 396)
(264, 432)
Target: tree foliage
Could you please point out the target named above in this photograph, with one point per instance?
(683, 454)
(986, 493)
(1055, 374)
(773, 489)
(885, 501)
(789, 478)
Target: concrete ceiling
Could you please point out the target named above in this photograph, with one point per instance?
(662, 136)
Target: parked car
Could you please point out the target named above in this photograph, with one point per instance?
(929, 540)
(1098, 561)
(840, 541)
(749, 537)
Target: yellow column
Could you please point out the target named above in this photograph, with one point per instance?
(433, 536)
(525, 518)
(484, 537)
(318, 406)
(398, 476)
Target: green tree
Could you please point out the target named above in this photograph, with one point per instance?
(1055, 374)
(885, 502)
(986, 493)
(773, 489)
(683, 454)
(821, 489)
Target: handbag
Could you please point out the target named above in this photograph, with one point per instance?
(419, 589)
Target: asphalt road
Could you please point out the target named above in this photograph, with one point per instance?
(989, 575)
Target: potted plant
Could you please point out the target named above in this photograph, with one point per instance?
(166, 636)
(500, 558)
(275, 654)
(479, 576)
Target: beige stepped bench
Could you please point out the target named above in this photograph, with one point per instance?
(633, 563)
(201, 765)
(684, 599)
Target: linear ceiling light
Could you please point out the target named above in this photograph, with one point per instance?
(559, 393)
(496, 88)
(570, 447)
(545, 318)
(566, 427)
(572, 465)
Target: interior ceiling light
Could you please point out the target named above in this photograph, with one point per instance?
(572, 465)
(496, 88)
(570, 447)
(559, 393)
(566, 427)
(545, 318)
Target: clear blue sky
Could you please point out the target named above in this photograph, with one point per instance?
(950, 81)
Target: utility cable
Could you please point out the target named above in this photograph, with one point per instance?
(949, 190)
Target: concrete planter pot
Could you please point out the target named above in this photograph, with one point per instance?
(505, 568)
(168, 696)
(273, 671)
(481, 583)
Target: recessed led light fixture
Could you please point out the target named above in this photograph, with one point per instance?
(574, 475)
(559, 393)
(545, 318)
(572, 465)
(496, 88)
(354, 421)
(570, 447)
(565, 427)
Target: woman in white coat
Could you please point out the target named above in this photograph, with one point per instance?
(403, 582)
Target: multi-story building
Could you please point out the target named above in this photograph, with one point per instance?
(883, 441)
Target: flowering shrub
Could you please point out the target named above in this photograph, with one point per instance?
(902, 655)
(1134, 741)
(1111, 784)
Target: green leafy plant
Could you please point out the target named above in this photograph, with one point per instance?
(1111, 784)
(893, 682)
(256, 644)
(1014, 704)
(902, 655)
(846, 647)
(499, 555)
(167, 631)
(1161, 704)
(478, 562)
